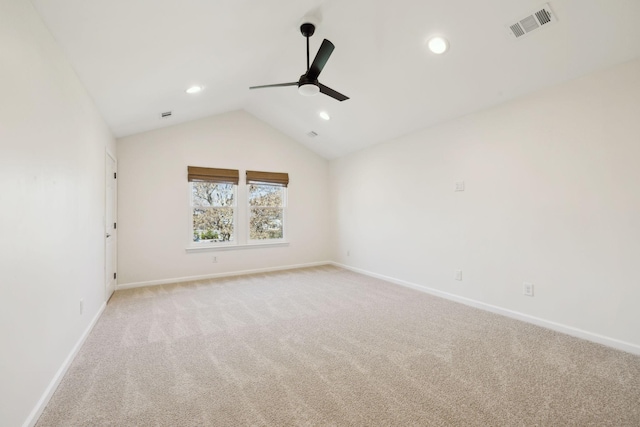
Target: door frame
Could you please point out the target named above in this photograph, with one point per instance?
(109, 156)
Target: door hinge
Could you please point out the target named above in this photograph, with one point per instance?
(114, 175)
(114, 226)
(115, 275)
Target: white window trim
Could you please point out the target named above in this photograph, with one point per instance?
(241, 240)
(206, 248)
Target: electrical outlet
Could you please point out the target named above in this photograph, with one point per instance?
(215, 259)
(459, 186)
(81, 306)
(527, 289)
(458, 275)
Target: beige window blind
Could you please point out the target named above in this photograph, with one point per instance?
(226, 176)
(271, 178)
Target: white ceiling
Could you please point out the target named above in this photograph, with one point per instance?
(137, 57)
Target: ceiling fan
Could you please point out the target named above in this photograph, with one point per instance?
(308, 84)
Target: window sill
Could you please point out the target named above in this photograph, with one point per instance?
(190, 249)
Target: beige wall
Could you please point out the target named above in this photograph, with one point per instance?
(52, 174)
(153, 198)
(550, 198)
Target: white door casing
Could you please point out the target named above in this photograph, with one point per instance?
(110, 226)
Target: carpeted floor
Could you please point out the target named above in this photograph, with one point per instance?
(325, 346)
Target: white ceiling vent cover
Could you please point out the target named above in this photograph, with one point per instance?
(542, 17)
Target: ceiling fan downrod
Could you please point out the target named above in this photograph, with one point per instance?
(307, 29)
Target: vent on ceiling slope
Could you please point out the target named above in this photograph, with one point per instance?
(166, 114)
(542, 17)
(312, 134)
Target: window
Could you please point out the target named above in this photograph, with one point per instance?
(266, 216)
(267, 200)
(213, 204)
(215, 211)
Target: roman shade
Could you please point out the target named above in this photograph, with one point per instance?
(225, 176)
(271, 178)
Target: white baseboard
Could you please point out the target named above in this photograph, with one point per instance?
(217, 275)
(569, 330)
(32, 419)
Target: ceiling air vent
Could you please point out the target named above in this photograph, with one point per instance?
(312, 134)
(540, 18)
(165, 114)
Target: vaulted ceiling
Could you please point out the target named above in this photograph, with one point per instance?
(137, 58)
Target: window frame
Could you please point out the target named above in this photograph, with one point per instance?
(209, 244)
(284, 215)
(241, 214)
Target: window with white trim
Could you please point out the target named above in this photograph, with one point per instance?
(266, 194)
(266, 211)
(213, 205)
(215, 212)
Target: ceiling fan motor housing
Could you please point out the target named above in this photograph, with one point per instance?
(304, 80)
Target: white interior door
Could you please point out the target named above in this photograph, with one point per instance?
(110, 227)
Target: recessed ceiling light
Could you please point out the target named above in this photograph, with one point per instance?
(324, 115)
(438, 45)
(194, 89)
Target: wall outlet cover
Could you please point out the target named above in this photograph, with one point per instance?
(527, 289)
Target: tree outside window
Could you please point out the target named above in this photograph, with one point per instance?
(266, 216)
(213, 208)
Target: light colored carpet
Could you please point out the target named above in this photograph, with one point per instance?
(325, 346)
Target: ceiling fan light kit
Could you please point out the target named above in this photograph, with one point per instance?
(308, 83)
(308, 89)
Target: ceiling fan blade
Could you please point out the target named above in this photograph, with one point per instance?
(325, 51)
(276, 85)
(332, 93)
